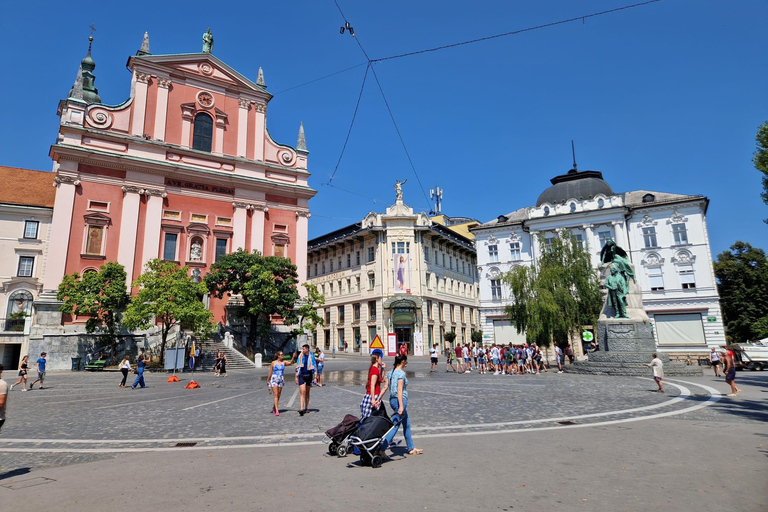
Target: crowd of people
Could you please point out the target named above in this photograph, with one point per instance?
(499, 359)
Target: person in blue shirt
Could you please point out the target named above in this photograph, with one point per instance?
(398, 400)
(141, 363)
(306, 375)
(40, 371)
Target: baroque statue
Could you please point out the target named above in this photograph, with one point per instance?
(399, 189)
(208, 41)
(623, 292)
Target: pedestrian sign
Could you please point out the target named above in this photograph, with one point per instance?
(377, 343)
(587, 336)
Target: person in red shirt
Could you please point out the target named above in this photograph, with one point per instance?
(730, 372)
(404, 349)
(376, 381)
(459, 359)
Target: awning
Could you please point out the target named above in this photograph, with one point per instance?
(404, 302)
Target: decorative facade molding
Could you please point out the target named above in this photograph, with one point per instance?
(683, 257)
(260, 208)
(130, 189)
(648, 221)
(303, 213)
(243, 103)
(652, 259)
(143, 78)
(677, 218)
(205, 99)
(260, 107)
(155, 192)
(66, 179)
(239, 204)
(164, 83)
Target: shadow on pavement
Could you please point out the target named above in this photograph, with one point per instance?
(14, 472)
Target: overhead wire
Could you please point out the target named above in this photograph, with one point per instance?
(321, 78)
(515, 32)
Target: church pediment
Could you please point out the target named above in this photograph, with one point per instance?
(201, 66)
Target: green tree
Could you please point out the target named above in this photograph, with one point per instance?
(168, 295)
(308, 318)
(761, 158)
(742, 280)
(267, 285)
(99, 295)
(450, 337)
(476, 337)
(557, 295)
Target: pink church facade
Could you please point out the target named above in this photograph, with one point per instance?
(184, 170)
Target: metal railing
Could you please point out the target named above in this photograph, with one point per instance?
(12, 324)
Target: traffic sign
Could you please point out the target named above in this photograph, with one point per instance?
(377, 343)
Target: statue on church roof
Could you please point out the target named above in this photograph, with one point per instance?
(399, 190)
(208, 41)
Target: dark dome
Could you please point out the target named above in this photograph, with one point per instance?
(574, 185)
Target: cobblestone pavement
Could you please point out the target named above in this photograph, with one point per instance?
(82, 417)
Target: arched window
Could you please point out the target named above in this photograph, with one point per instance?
(203, 134)
(20, 300)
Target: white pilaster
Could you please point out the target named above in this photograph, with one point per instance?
(239, 220)
(152, 229)
(261, 117)
(187, 115)
(161, 112)
(218, 140)
(140, 104)
(302, 225)
(242, 126)
(257, 228)
(61, 225)
(126, 251)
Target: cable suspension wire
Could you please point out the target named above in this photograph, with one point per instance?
(514, 32)
(321, 78)
(354, 115)
(375, 200)
(391, 116)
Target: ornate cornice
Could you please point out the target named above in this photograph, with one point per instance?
(66, 179)
(243, 103)
(143, 78)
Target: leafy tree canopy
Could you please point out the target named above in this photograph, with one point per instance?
(761, 158)
(99, 295)
(307, 312)
(556, 295)
(742, 280)
(267, 285)
(168, 295)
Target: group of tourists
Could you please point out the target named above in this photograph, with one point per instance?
(499, 359)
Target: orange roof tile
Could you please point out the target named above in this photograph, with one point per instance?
(26, 187)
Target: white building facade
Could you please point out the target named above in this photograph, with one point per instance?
(664, 234)
(397, 273)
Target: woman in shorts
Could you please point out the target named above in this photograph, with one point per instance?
(276, 380)
(481, 359)
(320, 357)
(23, 371)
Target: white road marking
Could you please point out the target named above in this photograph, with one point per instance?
(290, 439)
(348, 390)
(293, 398)
(137, 402)
(217, 401)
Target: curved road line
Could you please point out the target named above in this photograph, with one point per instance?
(715, 396)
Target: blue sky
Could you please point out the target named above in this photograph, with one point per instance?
(663, 97)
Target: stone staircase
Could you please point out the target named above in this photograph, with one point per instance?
(235, 360)
(630, 364)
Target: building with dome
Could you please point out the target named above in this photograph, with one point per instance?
(665, 235)
(183, 170)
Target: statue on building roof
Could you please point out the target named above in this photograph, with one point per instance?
(208, 41)
(399, 190)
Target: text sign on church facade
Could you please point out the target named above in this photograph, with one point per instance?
(170, 182)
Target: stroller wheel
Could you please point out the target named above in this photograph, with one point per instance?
(341, 451)
(376, 461)
(332, 447)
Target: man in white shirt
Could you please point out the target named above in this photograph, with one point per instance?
(559, 357)
(467, 354)
(474, 355)
(3, 397)
(434, 353)
(495, 358)
(658, 372)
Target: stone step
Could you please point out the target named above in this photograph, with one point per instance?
(632, 369)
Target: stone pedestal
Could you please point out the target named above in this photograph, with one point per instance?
(626, 344)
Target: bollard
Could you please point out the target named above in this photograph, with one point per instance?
(257, 360)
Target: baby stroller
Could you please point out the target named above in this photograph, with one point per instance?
(339, 435)
(370, 436)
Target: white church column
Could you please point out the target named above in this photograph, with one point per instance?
(242, 126)
(161, 112)
(152, 223)
(261, 116)
(257, 228)
(302, 231)
(129, 218)
(239, 221)
(61, 226)
(139, 104)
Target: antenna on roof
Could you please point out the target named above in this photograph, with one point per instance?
(436, 194)
(573, 152)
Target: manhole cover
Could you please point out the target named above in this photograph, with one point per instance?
(184, 445)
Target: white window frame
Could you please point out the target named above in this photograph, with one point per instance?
(28, 223)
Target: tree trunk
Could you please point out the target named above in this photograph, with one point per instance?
(163, 337)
